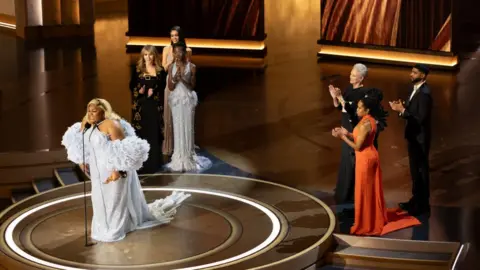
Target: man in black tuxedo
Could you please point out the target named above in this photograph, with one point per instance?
(416, 110)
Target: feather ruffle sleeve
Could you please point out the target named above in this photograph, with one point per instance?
(127, 128)
(127, 154)
(72, 140)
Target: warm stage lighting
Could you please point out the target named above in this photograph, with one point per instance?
(388, 56)
(200, 43)
(274, 233)
(8, 25)
(8, 22)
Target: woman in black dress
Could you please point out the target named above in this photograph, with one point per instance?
(344, 191)
(147, 84)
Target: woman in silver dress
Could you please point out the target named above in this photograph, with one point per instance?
(182, 101)
(176, 35)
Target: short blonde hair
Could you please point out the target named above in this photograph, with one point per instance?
(105, 106)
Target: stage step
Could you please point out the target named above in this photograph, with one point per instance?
(45, 184)
(383, 253)
(21, 194)
(67, 176)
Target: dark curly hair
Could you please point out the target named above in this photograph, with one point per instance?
(180, 45)
(373, 102)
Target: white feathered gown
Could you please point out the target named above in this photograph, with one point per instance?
(118, 207)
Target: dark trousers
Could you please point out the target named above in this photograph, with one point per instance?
(344, 192)
(418, 155)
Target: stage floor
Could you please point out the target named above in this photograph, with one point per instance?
(228, 222)
(274, 125)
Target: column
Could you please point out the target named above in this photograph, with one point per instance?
(70, 12)
(38, 19)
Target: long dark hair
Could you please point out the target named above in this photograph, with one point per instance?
(181, 36)
(373, 102)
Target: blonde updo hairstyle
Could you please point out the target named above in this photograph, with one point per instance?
(105, 107)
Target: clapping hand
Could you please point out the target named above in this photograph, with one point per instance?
(339, 132)
(177, 75)
(150, 92)
(334, 91)
(397, 105)
(142, 90)
(331, 89)
(342, 131)
(336, 133)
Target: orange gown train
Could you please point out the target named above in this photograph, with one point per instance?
(371, 216)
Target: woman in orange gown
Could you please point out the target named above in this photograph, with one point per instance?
(371, 215)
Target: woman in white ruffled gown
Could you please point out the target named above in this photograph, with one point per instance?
(113, 154)
(183, 100)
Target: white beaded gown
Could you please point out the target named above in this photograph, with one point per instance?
(182, 103)
(118, 207)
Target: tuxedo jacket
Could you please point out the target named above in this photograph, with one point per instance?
(418, 115)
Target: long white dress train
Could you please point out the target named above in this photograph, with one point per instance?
(182, 102)
(118, 207)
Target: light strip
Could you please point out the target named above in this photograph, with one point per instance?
(8, 25)
(273, 234)
(438, 60)
(454, 265)
(200, 43)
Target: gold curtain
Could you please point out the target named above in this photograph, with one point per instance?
(366, 21)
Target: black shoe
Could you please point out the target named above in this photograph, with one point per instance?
(346, 213)
(404, 205)
(419, 210)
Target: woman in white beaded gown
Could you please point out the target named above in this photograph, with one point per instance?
(182, 101)
(176, 35)
(112, 155)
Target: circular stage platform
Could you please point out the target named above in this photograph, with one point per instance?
(233, 222)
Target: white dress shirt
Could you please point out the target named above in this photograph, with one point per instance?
(415, 89)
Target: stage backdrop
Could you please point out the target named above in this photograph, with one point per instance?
(406, 24)
(203, 19)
